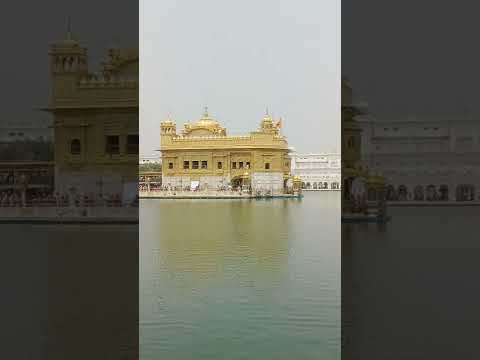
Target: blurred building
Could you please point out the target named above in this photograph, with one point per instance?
(363, 190)
(21, 131)
(204, 155)
(150, 160)
(95, 118)
(425, 160)
(320, 171)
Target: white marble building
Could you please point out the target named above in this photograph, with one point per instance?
(319, 171)
(425, 160)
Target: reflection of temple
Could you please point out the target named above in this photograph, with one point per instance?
(95, 119)
(205, 156)
(363, 192)
(425, 160)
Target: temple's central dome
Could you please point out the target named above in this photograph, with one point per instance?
(205, 126)
(207, 121)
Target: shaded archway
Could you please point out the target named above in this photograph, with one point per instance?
(309, 186)
(418, 194)
(443, 192)
(431, 193)
(465, 192)
(402, 193)
(315, 186)
(390, 195)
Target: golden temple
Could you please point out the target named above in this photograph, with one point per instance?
(204, 156)
(95, 119)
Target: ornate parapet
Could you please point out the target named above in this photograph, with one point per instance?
(101, 82)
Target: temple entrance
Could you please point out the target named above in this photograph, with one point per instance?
(241, 182)
(237, 182)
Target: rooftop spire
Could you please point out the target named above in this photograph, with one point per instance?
(69, 28)
(205, 113)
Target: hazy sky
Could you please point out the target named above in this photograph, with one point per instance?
(237, 58)
(413, 59)
(29, 27)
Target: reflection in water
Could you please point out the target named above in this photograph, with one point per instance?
(208, 246)
(240, 279)
(70, 291)
(410, 282)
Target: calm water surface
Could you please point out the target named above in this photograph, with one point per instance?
(69, 291)
(240, 279)
(410, 288)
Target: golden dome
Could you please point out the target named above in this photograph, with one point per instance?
(207, 121)
(168, 121)
(205, 126)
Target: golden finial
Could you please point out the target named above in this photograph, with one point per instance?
(205, 114)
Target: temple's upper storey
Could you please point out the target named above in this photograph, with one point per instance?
(207, 132)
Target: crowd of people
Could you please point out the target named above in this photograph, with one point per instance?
(14, 198)
(222, 189)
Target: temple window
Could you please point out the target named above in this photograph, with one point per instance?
(132, 144)
(267, 166)
(170, 165)
(219, 165)
(194, 164)
(75, 147)
(248, 165)
(240, 165)
(186, 164)
(112, 144)
(204, 164)
(234, 165)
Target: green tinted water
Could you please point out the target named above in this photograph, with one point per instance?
(240, 279)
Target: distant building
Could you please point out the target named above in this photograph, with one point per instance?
(319, 171)
(14, 131)
(204, 155)
(95, 119)
(147, 160)
(425, 160)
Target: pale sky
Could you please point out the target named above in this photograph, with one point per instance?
(238, 58)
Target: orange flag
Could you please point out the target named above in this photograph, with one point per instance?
(279, 123)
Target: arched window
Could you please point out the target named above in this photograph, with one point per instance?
(75, 147)
(267, 166)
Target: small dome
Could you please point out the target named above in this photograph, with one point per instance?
(69, 42)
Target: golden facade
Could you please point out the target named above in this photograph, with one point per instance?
(204, 155)
(95, 119)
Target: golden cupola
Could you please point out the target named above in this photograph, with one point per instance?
(204, 127)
